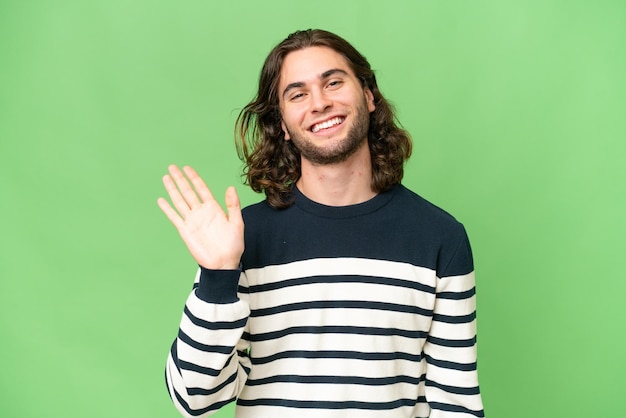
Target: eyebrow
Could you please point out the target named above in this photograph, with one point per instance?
(324, 75)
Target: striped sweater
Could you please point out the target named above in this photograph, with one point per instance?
(358, 311)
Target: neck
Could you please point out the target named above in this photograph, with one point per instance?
(342, 184)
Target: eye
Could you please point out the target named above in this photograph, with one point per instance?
(333, 84)
(296, 96)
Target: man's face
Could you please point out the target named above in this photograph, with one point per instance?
(325, 110)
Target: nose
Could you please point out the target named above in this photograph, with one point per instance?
(320, 102)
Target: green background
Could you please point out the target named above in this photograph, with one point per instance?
(517, 110)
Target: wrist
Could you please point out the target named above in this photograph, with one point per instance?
(218, 285)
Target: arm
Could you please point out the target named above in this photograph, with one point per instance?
(451, 376)
(208, 361)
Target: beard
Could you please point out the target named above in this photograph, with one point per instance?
(340, 149)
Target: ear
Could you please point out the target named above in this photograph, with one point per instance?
(369, 97)
(284, 128)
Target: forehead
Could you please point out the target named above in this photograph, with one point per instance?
(308, 64)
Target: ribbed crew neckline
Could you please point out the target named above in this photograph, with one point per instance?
(339, 212)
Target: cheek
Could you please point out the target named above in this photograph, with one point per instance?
(294, 116)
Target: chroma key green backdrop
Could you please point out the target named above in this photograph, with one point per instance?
(518, 114)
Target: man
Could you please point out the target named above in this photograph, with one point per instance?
(347, 295)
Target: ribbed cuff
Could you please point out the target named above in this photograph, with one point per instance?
(218, 286)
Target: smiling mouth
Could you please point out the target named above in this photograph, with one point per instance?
(327, 124)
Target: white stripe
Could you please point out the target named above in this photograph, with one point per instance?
(341, 266)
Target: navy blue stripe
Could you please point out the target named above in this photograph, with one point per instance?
(197, 412)
(167, 385)
(455, 408)
(356, 355)
(245, 369)
(453, 389)
(202, 391)
(244, 354)
(174, 354)
(451, 343)
(289, 403)
(341, 304)
(185, 365)
(386, 281)
(220, 349)
(338, 330)
(464, 367)
(337, 380)
(214, 325)
(457, 295)
(450, 319)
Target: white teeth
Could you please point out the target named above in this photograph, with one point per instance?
(327, 124)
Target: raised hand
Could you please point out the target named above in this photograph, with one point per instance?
(214, 238)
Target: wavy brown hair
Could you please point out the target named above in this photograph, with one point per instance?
(272, 165)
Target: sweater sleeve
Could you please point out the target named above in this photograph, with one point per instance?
(451, 374)
(208, 363)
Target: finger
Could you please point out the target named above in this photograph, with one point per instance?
(186, 191)
(233, 205)
(177, 199)
(171, 214)
(201, 188)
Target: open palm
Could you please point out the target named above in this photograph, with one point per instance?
(214, 237)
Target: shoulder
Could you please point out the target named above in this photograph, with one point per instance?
(422, 212)
(257, 210)
(435, 229)
(262, 217)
